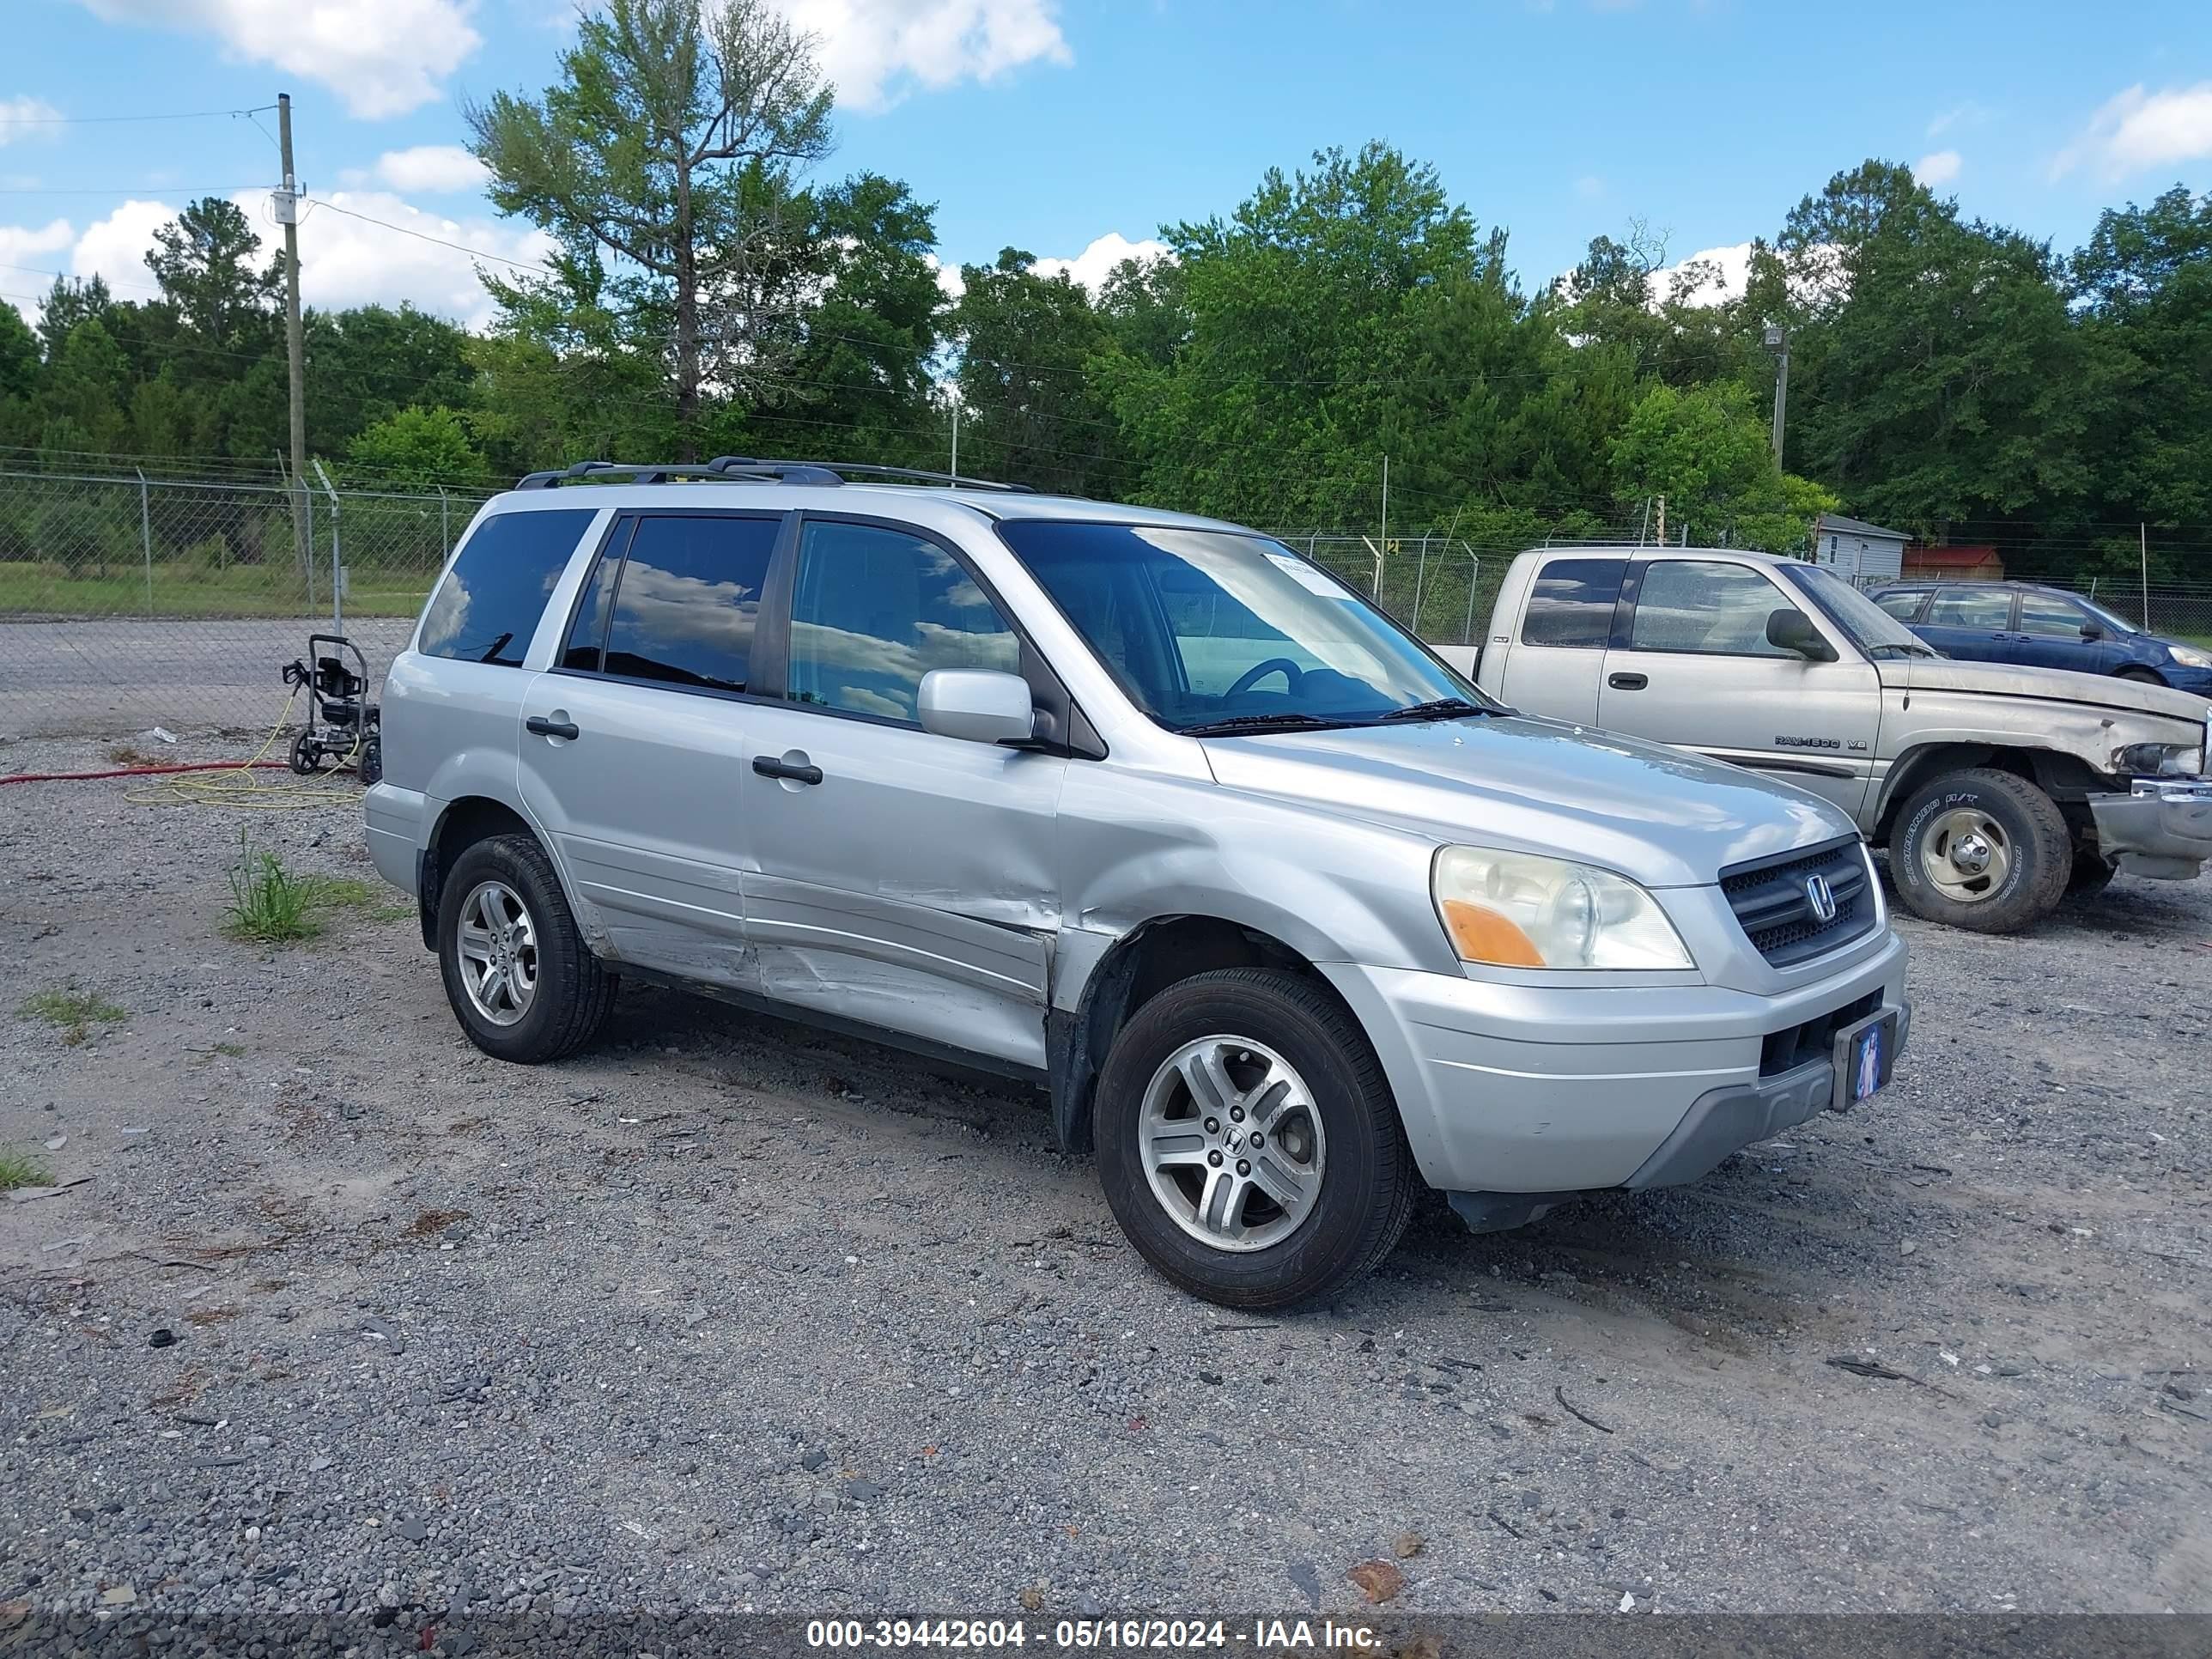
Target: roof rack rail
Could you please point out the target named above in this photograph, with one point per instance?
(867, 470)
(743, 469)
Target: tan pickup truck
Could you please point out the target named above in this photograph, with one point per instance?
(1998, 789)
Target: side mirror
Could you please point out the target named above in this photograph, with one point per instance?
(978, 705)
(1791, 629)
(2093, 630)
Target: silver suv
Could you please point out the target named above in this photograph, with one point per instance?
(1281, 912)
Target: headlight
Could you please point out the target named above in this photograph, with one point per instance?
(1517, 910)
(2189, 656)
(2159, 760)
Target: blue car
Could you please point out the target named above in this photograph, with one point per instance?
(2042, 627)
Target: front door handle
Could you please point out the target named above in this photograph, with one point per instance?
(796, 772)
(1628, 682)
(539, 725)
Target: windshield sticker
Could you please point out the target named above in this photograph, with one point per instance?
(1306, 577)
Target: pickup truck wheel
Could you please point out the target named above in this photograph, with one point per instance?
(2092, 874)
(1980, 849)
(522, 982)
(1248, 1141)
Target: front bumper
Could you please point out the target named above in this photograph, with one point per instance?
(1538, 1091)
(2161, 828)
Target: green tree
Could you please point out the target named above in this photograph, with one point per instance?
(84, 396)
(1707, 454)
(417, 446)
(370, 362)
(203, 261)
(1031, 409)
(665, 162)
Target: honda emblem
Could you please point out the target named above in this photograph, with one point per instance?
(1821, 898)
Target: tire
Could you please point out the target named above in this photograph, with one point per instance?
(2141, 676)
(2093, 873)
(306, 759)
(1334, 1115)
(569, 991)
(2020, 835)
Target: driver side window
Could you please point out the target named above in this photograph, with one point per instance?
(1703, 606)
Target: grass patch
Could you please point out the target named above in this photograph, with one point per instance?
(28, 588)
(272, 906)
(72, 1012)
(22, 1170)
(231, 1050)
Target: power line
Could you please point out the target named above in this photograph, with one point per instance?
(107, 120)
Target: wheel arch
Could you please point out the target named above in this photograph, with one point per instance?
(1137, 966)
(2067, 779)
(464, 823)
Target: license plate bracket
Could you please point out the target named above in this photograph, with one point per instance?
(1865, 1057)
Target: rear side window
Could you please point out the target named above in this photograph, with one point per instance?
(1572, 604)
(488, 606)
(1972, 607)
(688, 600)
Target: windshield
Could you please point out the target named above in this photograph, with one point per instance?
(1214, 631)
(1871, 628)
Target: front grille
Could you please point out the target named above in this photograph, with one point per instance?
(1773, 902)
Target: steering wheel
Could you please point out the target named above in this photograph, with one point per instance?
(1259, 671)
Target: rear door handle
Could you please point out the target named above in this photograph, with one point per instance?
(1628, 682)
(540, 727)
(769, 767)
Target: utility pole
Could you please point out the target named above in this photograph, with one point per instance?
(2143, 545)
(1662, 521)
(955, 438)
(1778, 341)
(287, 202)
(1386, 505)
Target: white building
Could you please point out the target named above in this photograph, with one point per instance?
(1857, 550)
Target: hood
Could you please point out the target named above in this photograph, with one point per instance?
(1659, 815)
(2001, 679)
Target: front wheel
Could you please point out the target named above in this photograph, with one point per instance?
(2141, 676)
(522, 982)
(1248, 1141)
(1980, 849)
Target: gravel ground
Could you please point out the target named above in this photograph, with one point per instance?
(728, 1314)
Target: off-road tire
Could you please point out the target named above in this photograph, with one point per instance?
(1368, 1182)
(575, 992)
(2042, 851)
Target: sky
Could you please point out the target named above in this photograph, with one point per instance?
(1073, 129)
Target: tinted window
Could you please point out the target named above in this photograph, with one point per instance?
(1971, 607)
(1903, 606)
(588, 632)
(688, 599)
(488, 606)
(1693, 605)
(1572, 604)
(874, 610)
(2050, 616)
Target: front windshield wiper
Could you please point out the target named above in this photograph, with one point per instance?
(1285, 722)
(1437, 708)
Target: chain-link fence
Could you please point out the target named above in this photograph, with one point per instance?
(2174, 613)
(132, 602)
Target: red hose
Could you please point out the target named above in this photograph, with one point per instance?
(146, 771)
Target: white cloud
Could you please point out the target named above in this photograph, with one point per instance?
(343, 260)
(2139, 129)
(1722, 274)
(1941, 168)
(27, 118)
(948, 276)
(874, 49)
(383, 57)
(1968, 114)
(346, 261)
(1589, 186)
(26, 253)
(1093, 265)
(433, 169)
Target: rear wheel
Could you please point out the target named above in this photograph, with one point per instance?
(1247, 1142)
(522, 982)
(1980, 849)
